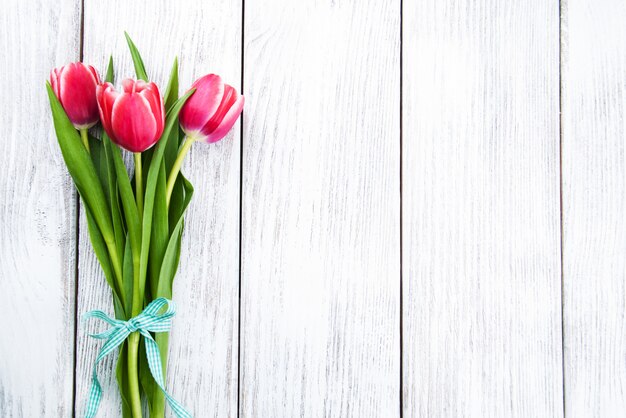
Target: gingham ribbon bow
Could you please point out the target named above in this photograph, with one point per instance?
(148, 321)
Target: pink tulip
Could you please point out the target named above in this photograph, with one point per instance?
(133, 119)
(75, 86)
(212, 110)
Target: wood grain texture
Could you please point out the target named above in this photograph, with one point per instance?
(37, 212)
(321, 230)
(481, 225)
(594, 184)
(203, 344)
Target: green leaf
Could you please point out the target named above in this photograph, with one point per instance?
(102, 255)
(176, 201)
(128, 201)
(153, 213)
(171, 151)
(110, 76)
(121, 372)
(171, 95)
(160, 232)
(170, 261)
(99, 162)
(171, 92)
(81, 168)
(181, 135)
(114, 197)
(110, 182)
(172, 253)
(140, 68)
(156, 398)
(128, 274)
(134, 236)
(146, 157)
(151, 183)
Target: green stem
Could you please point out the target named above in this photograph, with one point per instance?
(139, 183)
(136, 306)
(137, 301)
(133, 346)
(85, 138)
(171, 180)
(133, 375)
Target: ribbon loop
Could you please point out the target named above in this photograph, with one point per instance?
(146, 322)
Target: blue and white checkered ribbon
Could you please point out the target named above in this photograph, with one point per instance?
(146, 322)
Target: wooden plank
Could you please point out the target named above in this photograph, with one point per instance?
(481, 224)
(38, 227)
(594, 183)
(321, 231)
(206, 36)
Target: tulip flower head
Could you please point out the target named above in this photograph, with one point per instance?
(75, 86)
(134, 118)
(212, 110)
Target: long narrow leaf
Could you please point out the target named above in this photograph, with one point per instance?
(114, 197)
(156, 398)
(109, 77)
(128, 274)
(153, 173)
(134, 238)
(140, 68)
(172, 253)
(169, 266)
(171, 95)
(81, 168)
(99, 162)
(177, 201)
(171, 151)
(171, 92)
(128, 201)
(160, 232)
(111, 181)
(102, 255)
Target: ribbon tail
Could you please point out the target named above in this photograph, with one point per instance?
(118, 335)
(154, 362)
(95, 394)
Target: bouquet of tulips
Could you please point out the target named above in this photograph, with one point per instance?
(136, 223)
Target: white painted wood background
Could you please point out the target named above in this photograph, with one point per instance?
(420, 215)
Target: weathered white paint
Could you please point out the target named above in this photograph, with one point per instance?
(203, 350)
(481, 225)
(594, 207)
(37, 212)
(321, 229)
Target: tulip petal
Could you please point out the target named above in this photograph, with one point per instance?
(134, 123)
(54, 81)
(228, 99)
(203, 104)
(106, 96)
(152, 95)
(94, 73)
(128, 84)
(75, 86)
(227, 122)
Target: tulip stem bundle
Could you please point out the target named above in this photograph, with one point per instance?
(136, 233)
